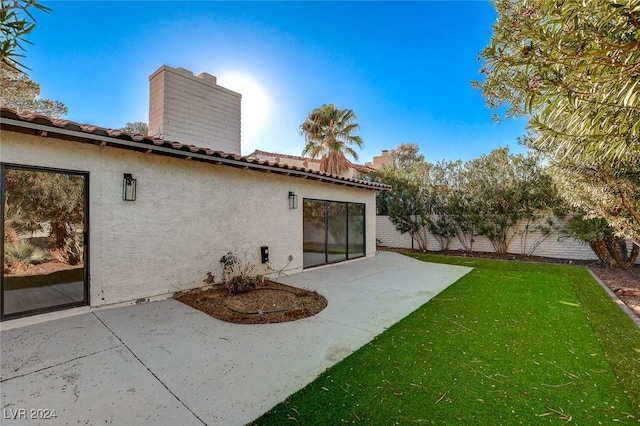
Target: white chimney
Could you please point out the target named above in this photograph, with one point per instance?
(193, 110)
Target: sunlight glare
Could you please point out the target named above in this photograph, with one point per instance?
(256, 105)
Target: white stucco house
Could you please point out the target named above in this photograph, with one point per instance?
(157, 212)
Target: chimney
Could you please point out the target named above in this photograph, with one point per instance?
(193, 110)
(383, 159)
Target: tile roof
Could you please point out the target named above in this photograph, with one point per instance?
(86, 133)
(259, 152)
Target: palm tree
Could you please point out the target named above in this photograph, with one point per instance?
(328, 132)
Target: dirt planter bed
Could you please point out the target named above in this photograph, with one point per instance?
(270, 302)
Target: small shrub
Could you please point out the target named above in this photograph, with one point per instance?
(237, 275)
(22, 254)
(241, 284)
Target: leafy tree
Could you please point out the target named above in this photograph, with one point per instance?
(21, 93)
(491, 184)
(506, 189)
(136, 128)
(407, 155)
(573, 67)
(37, 198)
(465, 215)
(329, 135)
(442, 196)
(490, 196)
(542, 208)
(16, 22)
(406, 204)
(600, 236)
(610, 193)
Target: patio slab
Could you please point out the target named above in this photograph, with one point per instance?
(166, 363)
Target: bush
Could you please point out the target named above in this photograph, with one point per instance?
(238, 276)
(24, 253)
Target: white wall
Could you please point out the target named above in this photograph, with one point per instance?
(186, 216)
(554, 246)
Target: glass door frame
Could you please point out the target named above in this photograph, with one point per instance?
(85, 239)
(348, 255)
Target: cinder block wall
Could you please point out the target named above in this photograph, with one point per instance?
(554, 246)
(193, 110)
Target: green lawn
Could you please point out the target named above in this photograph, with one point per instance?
(509, 343)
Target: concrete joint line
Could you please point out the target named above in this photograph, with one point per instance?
(149, 370)
(350, 326)
(58, 364)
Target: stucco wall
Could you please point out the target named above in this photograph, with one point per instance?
(186, 216)
(554, 246)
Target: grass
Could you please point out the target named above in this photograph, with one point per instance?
(509, 343)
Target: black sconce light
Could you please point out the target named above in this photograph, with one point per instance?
(128, 188)
(293, 200)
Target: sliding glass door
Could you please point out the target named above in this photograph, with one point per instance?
(314, 233)
(336, 231)
(45, 231)
(333, 231)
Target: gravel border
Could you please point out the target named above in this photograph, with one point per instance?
(632, 315)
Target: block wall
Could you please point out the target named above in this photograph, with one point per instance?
(193, 110)
(555, 245)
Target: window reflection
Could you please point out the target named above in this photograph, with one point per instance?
(333, 231)
(43, 245)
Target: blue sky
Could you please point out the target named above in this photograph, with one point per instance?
(403, 67)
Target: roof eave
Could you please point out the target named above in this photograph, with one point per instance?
(215, 157)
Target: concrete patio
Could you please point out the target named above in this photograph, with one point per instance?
(165, 363)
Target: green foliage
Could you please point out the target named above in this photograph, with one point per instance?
(610, 249)
(329, 135)
(406, 204)
(506, 189)
(488, 196)
(443, 227)
(24, 253)
(588, 230)
(238, 275)
(136, 128)
(57, 199)
(509, 343)
(443, 186)
(612, 193)
(16, 22)
(572, 67)
(407, 155)
(19, 92)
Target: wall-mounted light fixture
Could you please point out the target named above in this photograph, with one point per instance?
(293, 200)
(128, 187)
